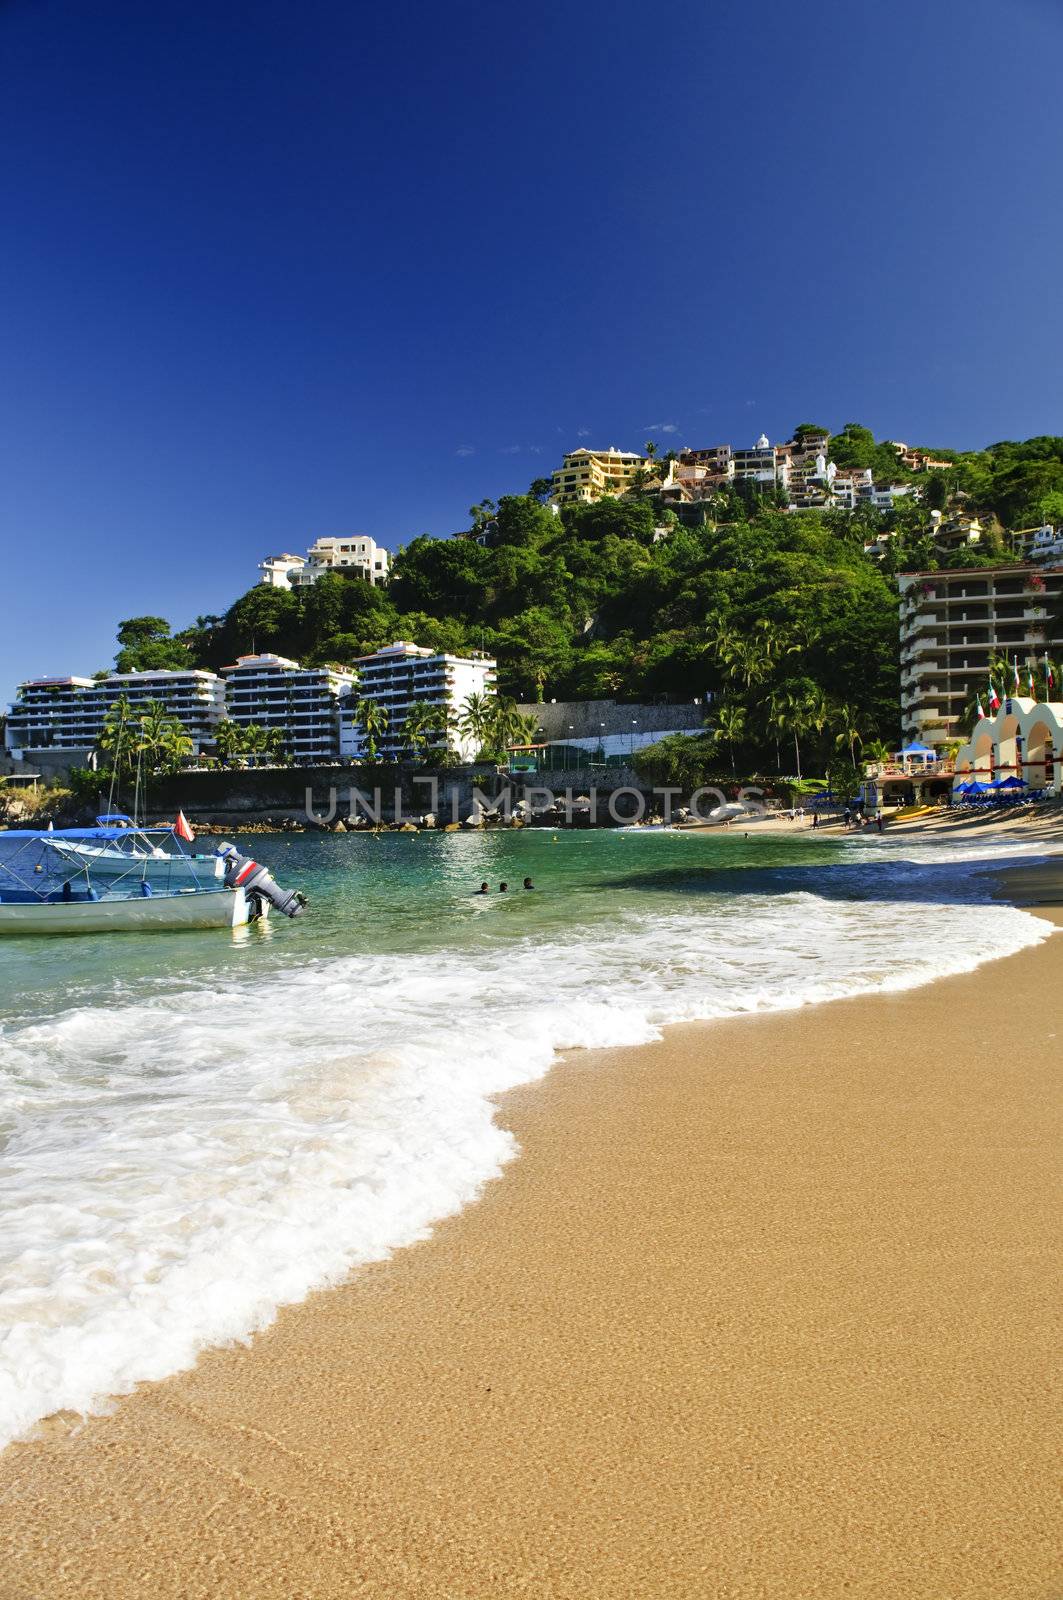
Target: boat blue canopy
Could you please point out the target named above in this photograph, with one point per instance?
(96, 833)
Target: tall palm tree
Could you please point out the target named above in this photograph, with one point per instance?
(800, 707)
(117, 737)
(228, 739)
(162, 739)
(373, 720)
(846, 721)
(176, 745)
(423, 722)
(475, 718)
(506, 724)
(730, 725)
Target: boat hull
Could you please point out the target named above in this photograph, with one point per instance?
(161, 869)
(205, 908)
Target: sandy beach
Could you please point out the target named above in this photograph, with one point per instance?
(768, 1309)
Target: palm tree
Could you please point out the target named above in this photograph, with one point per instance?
(373, 720)
(176, 745)
(525, 727)
(475, 719)
(507, 724)
(228, 739)
(845, 720)
(117, 736)
(423, 722)
(163, 739)
(877, 750)
(730, 725)
(800, 706)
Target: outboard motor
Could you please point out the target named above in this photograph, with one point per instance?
(258, 883)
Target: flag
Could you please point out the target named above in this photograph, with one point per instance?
(1015, 669)
(994, 698)
(1033, 691)
(1049, 674)
(181, 828)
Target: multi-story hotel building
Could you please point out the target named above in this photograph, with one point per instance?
(353, 553)
(304, 702)
(765, 463)
(590, 475)
(67, 714)
(404, 674)
(953, 623)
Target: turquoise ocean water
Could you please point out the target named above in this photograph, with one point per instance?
(197, 1128)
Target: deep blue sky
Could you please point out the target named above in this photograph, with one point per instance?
(274, 270)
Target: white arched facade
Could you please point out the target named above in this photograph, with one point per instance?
(1024, 739)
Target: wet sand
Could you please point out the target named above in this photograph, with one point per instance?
(769, 1309)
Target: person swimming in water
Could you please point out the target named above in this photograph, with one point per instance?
(483, 889)
(528, 884)
(503, 887)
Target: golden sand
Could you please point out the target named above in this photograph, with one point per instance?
(768, 1311)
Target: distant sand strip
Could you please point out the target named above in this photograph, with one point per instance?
(770, 1309)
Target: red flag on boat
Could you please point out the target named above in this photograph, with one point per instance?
(181, 828)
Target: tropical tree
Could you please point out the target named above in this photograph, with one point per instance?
(373, 721)
(228, 739)
(423, 723)
(846, 720)
(118, 736)
(799, 708)
(162, 739)
(476, 719)
(730, 724)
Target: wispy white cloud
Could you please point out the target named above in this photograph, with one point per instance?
(465, 450)
(510, 449)
(751, 402)
(662, 427)
(583, 433)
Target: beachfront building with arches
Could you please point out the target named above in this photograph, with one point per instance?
(1021, 744)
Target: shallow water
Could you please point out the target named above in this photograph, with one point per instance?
(196, 1128)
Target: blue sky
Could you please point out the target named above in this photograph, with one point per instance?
(281, 270)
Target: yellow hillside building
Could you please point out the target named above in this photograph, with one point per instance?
(590, 475)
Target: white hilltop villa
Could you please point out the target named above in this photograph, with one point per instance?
(1020, 745)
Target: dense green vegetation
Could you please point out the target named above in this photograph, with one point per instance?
(779, 617)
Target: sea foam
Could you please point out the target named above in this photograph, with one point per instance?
(179, 1164)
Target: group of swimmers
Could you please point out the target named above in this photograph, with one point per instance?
(503, 888)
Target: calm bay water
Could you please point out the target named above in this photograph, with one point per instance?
(196, 1128)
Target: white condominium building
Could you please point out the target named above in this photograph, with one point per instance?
(403, 674)
(765, 463)
(69, 713)
(953, 623)
(354, 553)
(273, 692)
(54, 714)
